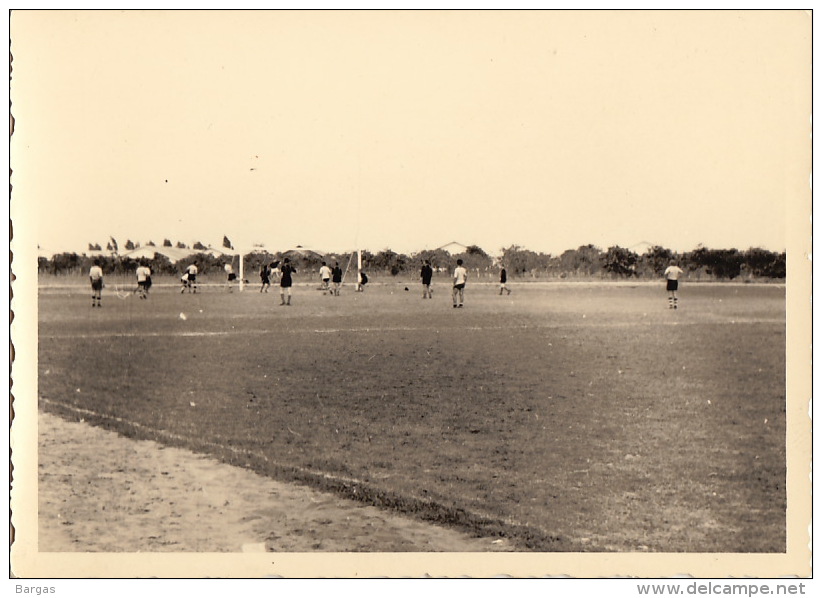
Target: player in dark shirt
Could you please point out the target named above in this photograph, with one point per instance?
(336, 278)
(265, 277)
(503, 280)
(285, 282)
(426, 273)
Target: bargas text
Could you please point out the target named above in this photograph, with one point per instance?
(18, 589)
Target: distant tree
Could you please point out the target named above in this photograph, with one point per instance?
(181, 245)
(474, 258)
(720, 263)
(94, 247)
(129, 245)
(439, 258)
(620, 261)
(114, 246)
(65, 263)
(253, 261)
(586, 260)
(199, 246)
(656, 259)
(167, 243)
(109, 247)
(778, 269)
(518, 260)
(151, 244)
(390, 261)
(367, 259)
(226, 243)
(160, 264)
(761, 262)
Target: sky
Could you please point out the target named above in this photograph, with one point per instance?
(409, 130)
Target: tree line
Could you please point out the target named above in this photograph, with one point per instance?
(584, 262)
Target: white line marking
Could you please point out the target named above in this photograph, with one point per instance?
(257, 331)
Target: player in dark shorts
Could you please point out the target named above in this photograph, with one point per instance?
(190, 279)
(265, 276)
(672, 274)
(95, 276)
(336, 278)
(503, 280)
(285, 282)
(362, 282)
(426, 274)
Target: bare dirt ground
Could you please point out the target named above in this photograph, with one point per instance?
(100, 492)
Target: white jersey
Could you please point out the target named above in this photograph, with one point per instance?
(192, 269)
(143, 272)
(460, 275)
(673, 272)
(229, 269)
(325, 272)
(96, 273)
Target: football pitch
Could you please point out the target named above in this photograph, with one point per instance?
(566, 416)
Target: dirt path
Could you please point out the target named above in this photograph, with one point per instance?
(100, 492)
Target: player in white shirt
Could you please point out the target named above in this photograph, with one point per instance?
(189, 279)
(672, 274)
(325, 276)
(230, 277)
(143, 280)
(276, 273)
(458, 291)
(95, 276)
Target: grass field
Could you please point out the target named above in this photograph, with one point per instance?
(567, 417)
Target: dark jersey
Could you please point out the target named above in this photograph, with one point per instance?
(503, 275)
(426, 273)
(336, 274)
(285, 280)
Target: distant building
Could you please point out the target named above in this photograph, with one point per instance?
(641, 247)
(453, 248)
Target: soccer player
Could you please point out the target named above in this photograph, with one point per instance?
(265, 276)
(143, 280)
(672, 274)
(190, 282)
(285, 282)
(336, 278)
(276, 273)
(325, 275)
(426, 273)
(362, 281)
(230, 277)
(503, 280)
(95, 276)
(458, 291)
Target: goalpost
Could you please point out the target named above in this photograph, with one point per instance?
(359, 267)
(242, 272)
(358, 253)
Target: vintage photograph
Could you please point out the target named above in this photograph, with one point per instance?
(527, 287)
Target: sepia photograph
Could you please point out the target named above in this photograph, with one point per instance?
(405, 293)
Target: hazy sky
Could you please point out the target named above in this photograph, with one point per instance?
(411, 129)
